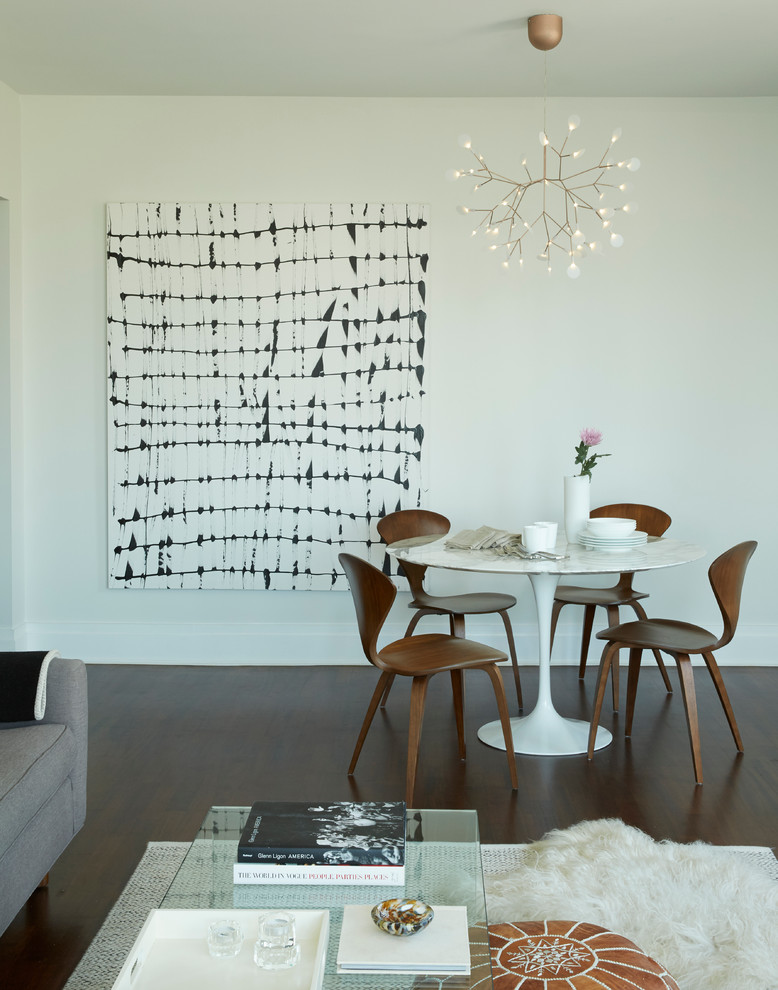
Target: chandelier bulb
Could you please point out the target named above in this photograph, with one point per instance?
(616, 135)
(633, 164)
(573, 122)
(616, 240)
(542, 138)
(573, 270)
(452, 174)
(464, 141)
(630, 208)
(577, 154)
(606, 212)
(463, 209)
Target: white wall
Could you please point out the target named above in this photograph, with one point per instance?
(10, 367)
(668, 346)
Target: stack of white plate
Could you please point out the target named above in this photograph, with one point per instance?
(596, 541)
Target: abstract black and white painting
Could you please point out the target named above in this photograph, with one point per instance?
(265, 388)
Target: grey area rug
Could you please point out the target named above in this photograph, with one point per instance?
(145, 889)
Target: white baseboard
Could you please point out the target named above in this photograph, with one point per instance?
(311, 644)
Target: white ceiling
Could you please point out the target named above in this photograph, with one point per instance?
(391, 48)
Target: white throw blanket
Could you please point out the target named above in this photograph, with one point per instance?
(707, 914)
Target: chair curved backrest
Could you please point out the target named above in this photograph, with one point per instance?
(373, 593)
(404, 525)
(649, 519)
(407, 523)
(726, 575)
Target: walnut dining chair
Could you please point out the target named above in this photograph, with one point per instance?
(681, 640)
(649, 520)
(409, 523)
(420, 658)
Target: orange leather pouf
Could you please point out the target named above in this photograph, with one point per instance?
(570, 955)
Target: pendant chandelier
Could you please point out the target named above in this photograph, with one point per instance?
(544, 213)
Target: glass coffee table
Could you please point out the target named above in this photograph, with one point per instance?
(442, 866)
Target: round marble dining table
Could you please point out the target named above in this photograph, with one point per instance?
(544, 732)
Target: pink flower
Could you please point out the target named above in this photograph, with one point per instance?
(590, 436)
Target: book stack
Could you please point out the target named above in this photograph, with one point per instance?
(340, 842)
(442, 949)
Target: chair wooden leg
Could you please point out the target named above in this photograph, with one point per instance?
(458, 688)
(641, 614)
(512, 652)
(387, 689)
(45, 881)
(635, 655)
(371, 710)
(502, 707)
(602, 681)
(613, 620)
(715, 673)
(686, 676)
(457, 624)
(555, 610)
(586, 636)
(418, 696)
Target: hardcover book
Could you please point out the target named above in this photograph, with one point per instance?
(338, 833)
(283, 873)
(443, 948)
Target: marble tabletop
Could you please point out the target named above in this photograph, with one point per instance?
(657, 552)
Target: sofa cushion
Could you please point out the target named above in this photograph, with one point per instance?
(34, 760)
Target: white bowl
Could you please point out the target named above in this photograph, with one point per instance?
(611, 526)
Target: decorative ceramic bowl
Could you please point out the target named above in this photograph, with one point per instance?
(610, 527)
(401, 916)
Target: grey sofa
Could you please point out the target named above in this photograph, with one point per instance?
(42, 786)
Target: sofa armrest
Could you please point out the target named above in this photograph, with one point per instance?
(67, 704)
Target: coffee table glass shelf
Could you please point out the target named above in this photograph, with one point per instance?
(442, 866)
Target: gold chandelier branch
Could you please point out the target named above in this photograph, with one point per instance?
(564, 196)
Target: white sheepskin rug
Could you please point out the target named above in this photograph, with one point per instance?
(707, 914)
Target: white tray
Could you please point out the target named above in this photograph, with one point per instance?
(171, 951)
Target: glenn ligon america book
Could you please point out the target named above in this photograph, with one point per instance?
(337, 833)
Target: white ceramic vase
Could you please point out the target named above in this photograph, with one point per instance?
(577, 505)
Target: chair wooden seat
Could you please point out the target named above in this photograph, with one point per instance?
(669, 635)
(681, 640)
(472, 603)
(406, 524)
(572, 594)
(418, 657)
(436, 652)
(649, 520)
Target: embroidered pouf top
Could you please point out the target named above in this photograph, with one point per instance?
(570, 955)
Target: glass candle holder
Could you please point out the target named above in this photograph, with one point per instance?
(225, 939)
(276, 947)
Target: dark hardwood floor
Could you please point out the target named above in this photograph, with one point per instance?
(167, 742)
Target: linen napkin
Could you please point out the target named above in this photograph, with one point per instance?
(483, 538)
